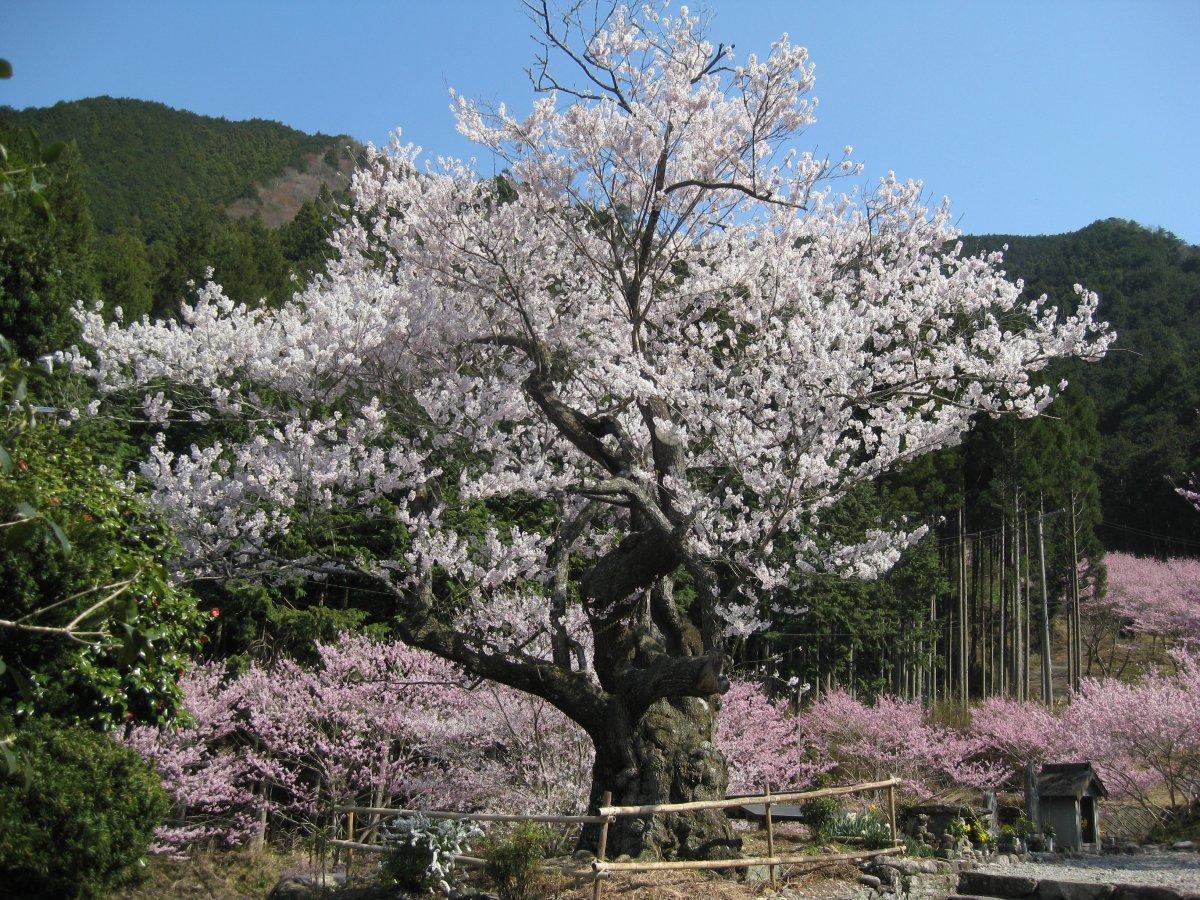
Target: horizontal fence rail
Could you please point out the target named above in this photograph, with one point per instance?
(744, 862)
(471, 817)
(471, 862)
(731, 802)
(601, 868)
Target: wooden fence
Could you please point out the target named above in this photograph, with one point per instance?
(602, 868)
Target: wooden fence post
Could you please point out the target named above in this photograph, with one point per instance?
(597, 883)
(892, 813)
(770, 832)
(349, 837)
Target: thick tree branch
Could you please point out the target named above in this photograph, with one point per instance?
(663, 677)
(564, 646)
(573, 693)
(586, 432)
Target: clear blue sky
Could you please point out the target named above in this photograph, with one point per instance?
(1033, 116)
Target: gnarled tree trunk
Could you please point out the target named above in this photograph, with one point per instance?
(663, 681)
(668, 756)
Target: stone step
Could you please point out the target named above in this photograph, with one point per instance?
(998, 886)
(990, 884)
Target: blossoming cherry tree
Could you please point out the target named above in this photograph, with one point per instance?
(607, 395)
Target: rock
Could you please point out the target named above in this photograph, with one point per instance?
(758, 874)
(298, 886)
(870, 881)
(991, 885)
(1049, 889)
(928, 887)
(903, 866)
(292, 889)
(1147, 892)
(1184, 845)
(887, 875)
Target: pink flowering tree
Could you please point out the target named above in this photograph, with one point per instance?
(1156, 597)
(1144, 737)
(1140, 598)
(869, 742)
(662, 337)
(373, 722)
(1015, 734)
(761, 739)
(209, 780)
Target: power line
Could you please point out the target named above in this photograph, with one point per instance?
(1152, 534)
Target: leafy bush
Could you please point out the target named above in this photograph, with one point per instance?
(957, 828)
(819, 815)
(867, 827)
(1023, 827)
(514, 862)
(77, 821)
(978, 833)
(916, 848)
(422, 851)
(78, 546)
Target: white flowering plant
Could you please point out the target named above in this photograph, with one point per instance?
(422, 851)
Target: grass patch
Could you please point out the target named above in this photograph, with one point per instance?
(215, 874)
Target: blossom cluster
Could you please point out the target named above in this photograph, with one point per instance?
(1143, 737)
(860, 741)
(372, 722)
(1153, 596)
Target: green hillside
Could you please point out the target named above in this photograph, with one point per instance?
(146, 163)
(1147, 391)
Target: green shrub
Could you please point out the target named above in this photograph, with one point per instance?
(1024, 827)
(867, 827)
(78, 820)
(514, 862)
(819, 815)
(421, 851)
(916, 848)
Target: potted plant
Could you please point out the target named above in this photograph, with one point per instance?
(1048, 833)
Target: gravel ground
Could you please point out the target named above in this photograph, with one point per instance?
(1178, 869)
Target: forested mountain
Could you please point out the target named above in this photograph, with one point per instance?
(1147, 391)
(162, 195)
(149, 164)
